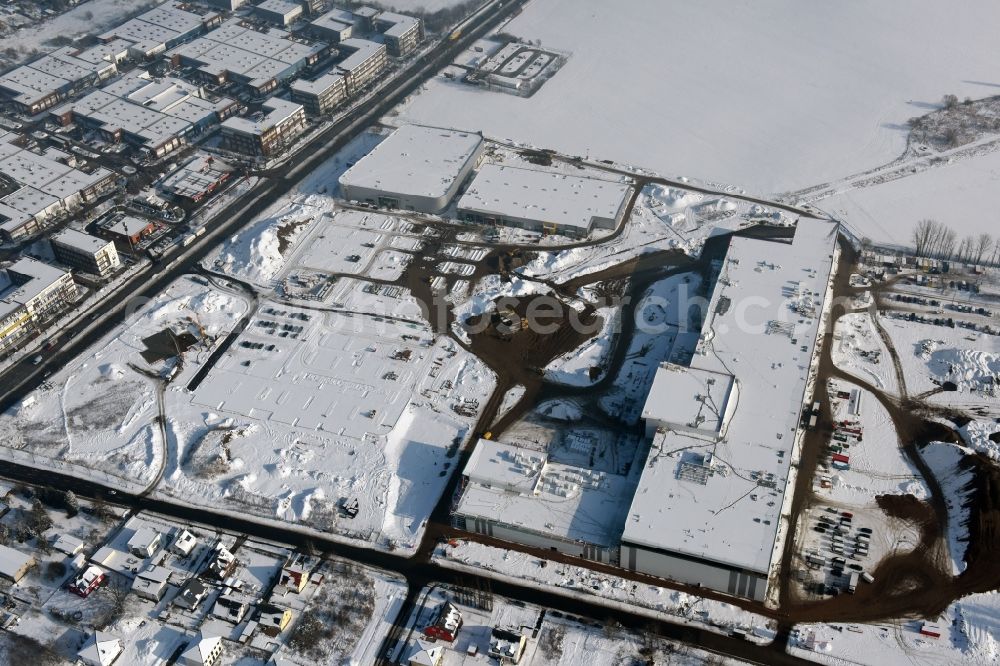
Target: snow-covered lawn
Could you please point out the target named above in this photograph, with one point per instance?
(752, 94)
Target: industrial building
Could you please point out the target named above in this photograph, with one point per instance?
(364, 62)
(161, 29)
(38, 186)
(30, 293)
(258, 60)
(543, 201)
(402, 33)
(415, 168)
(321, 95)
(281, 13)
(155, 115)
(281, 123)
(708, 508)
(84, 252)
(520, 495)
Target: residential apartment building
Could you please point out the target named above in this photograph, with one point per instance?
(402, 33)
(322, 95)
(281, 123)
(30, 293)
(364, 62)
(84, 252)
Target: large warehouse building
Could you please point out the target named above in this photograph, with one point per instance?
(543, 201)
(415, 168)
(710, 503)
(520, 495)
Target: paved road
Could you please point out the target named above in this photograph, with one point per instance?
(417, 572)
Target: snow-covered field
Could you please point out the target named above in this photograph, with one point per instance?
(970, 634)
(771, 96)
(963, 195)
(931, 355)
(98, 411)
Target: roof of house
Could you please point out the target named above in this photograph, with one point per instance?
(12, 561)
(101, 649)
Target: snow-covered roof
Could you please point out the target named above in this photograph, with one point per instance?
(319, 85)
(45, 173)
(400, 23)
(12, 561)
(516, 486)
(200, 650)
(67, 544)
(690, 399)
(722, 501)
(41, 276)
(543, 196)
(80, 241)
(360, 52)
(416, 161)
(284, 8)
(424, 653)
(277, 111)
(101, 649)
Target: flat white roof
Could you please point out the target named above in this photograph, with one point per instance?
(319, 85)
(277, 111)
(518, 487)
(361, 51)
(416, 161)
(690, 398)
(80, 241)
(544, 196)
(721, 501)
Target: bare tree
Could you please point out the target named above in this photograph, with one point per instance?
(922, 235)
(983, 247)
(950, 101)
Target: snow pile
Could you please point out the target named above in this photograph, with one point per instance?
(978, 619)
(561, 410)
(945, 461)
(672, 198)
(978, 434)
(969, 369)
(573, 368)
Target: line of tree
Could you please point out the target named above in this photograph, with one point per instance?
(934, 240)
